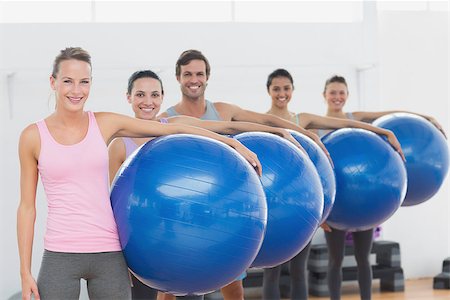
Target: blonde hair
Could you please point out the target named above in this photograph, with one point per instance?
(70, 53)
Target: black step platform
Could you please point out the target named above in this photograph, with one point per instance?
(387, 268)
(442, 280)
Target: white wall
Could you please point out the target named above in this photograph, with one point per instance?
(241, 55)
(414, 60)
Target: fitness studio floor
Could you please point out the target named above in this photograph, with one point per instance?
(415, 289)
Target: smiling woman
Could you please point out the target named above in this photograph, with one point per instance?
(336, 95)
(72, 89)
(78, 229)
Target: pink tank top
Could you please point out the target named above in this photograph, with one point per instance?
(75, 180)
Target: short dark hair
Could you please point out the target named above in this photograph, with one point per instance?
(189, 55)
(279, 73)
(143, 74)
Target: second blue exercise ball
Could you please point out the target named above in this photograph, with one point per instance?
(426, 152)
(294, 197)
(370, 179)
(323, 167)
(191, 214)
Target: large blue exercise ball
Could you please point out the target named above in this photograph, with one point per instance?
(426, 152)
(294, 197)
(370, 179)
(323, 167)
(191, 214)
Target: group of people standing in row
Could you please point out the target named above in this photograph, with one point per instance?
(74, 151)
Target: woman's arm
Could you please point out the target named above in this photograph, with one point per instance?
(370, 116)
(233, 127)
(115, 125)
(117, 155)
(26, 212)
(320, 122)
(238, 114)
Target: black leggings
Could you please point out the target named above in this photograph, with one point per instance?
(140, 291)
(297, 270)
(362, 241)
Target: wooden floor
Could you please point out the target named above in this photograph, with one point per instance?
(417, 289)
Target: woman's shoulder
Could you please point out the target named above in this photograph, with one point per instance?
(107, 119)
(103, 114)
(110, 116)
(303, 119)
(117, 146)
(118, 143)
(30, 131)
(357, 115)
(30, 140)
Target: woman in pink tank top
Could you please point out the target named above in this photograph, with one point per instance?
(68, 149)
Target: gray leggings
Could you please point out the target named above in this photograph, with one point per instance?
(362, 241)
(297, 271)
(106, 274)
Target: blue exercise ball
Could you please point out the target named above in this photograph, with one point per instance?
(191, 214)
(426, 152)
(370, 179)
(294, 197)
(323, 167)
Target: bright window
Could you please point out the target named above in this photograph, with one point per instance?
(436, 5)
(64, 11)
(299, 11)
(45, 11)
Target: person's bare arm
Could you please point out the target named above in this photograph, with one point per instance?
(163, 115)
(115, 125)
(26, 212)
(320, 122)
(367, 116)
(117, 155)
(233, 127)
(239, 114)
